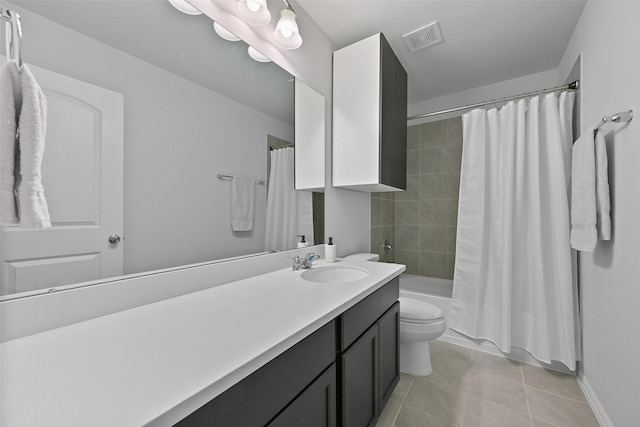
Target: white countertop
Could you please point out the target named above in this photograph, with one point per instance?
(155, 364)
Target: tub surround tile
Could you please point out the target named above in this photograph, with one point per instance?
(376, 212)
(408, 237)
(434, 212)
(453, 185)
(388, 212)
(376, 240)
(553, 382)
(454, 157)
(407, 212)
(451, 240)
(413, 189)
(433, 159)
(411, 259)
(433, 134)
(433, 186)
(413, 137)
(433, 238)
(454, 130)
(433, 264)
(555, 409)
(413, 162)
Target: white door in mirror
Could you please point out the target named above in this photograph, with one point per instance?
(82, 173)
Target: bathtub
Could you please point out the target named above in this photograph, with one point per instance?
(438, 292)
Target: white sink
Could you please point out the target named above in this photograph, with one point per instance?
(334, 274)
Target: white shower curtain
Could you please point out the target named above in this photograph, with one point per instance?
(514, 281)
(289, 212)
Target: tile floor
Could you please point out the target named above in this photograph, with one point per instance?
(470, 388)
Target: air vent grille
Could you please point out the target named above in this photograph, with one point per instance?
(423, 37)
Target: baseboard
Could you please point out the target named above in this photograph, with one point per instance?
(594, 402)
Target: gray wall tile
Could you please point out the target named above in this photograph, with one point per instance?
(407, 212)
(408, 237)
(433, 239)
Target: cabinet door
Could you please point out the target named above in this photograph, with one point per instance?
(358, 370)
(314, 407)
(389, 367)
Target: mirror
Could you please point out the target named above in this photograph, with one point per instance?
(152, 103)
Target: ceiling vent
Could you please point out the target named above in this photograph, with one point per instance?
(423, 37)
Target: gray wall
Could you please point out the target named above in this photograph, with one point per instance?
(607, 39)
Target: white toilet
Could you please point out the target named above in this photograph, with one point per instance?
(420, 322)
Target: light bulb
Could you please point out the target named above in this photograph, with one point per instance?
(253, 5)
(286, 33)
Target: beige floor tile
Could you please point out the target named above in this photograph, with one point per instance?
(409, 417)
(402, 388)
(496, 365)
(559, 410)
(437, 400)
(482, 413)
(389, 413)
(552, 381)
(498, 390)
(451, 364)
(540, 423)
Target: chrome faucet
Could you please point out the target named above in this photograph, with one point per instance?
(303, 263)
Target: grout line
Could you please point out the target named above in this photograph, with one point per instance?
(413, 378)
(526, 395)
(558, 395)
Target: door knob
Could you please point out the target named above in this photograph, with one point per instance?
(114, 238)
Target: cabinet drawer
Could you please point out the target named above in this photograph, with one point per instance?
(315, 407)
(355, 321)
(258, 398)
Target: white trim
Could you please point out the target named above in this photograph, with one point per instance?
(594, 402)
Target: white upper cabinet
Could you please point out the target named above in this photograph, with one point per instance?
(309, 138)
(369, 117)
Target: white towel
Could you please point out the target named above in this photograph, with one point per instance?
(603, 202)
(242, 197)
(32, 205)
(583, 193)
(9, 108)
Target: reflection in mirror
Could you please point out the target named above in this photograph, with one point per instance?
(144, 113)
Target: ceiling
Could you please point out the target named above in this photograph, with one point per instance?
(485, 41)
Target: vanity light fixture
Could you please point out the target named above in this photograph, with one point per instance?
(254, 12)
(224, 33)
(287, 35)
(184, 7)
(256, 55)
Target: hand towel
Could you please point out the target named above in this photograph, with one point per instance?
(10, 100)
(603, 202)
(583, 193)
(242, 197)
(32, 205)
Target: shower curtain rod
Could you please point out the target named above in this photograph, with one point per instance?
(573, 85)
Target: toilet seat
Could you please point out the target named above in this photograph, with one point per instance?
(416, 311)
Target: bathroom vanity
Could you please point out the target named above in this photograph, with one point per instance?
(273, 349)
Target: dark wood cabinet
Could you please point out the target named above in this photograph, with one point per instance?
(341, 375)
(368, 365)
(388, 354)
(314, 407)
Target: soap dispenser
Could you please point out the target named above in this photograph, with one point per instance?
(303, 243)
(330, 251)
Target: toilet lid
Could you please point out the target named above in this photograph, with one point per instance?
(416, 311)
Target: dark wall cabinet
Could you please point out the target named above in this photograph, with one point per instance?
(341, 375)
(369, 117)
